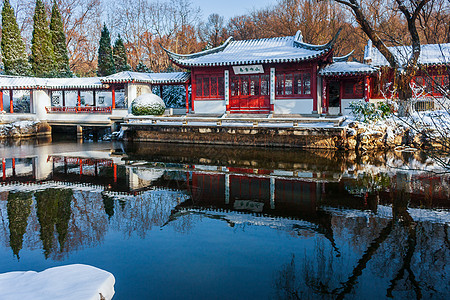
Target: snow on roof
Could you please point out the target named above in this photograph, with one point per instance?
(154, 78)
(270, 50)
(21, 82)
(347, 68)
(63, 83)
(430, 54)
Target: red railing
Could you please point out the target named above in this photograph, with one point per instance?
(78, 109)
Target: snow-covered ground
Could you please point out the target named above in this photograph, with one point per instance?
(65, 282)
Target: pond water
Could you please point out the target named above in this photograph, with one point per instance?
(194, 222)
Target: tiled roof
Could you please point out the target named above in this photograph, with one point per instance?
(154, 78)
(81, 83)
(343, 68)
(430, 54)
(20, 82)
(272, 50)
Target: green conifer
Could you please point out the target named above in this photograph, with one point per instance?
(120, 56)
(14, 55)
(141, 67)
(105, 58)
(62, 68)
(42, 56)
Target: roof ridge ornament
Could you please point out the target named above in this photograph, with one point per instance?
(328, 45)
(177, 56)
(343, 58)
(298, 36)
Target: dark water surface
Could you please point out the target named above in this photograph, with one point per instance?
(183, 221)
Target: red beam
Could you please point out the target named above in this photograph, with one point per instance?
(11, 108)
(187, 98)
(1, 100)
(113, 91)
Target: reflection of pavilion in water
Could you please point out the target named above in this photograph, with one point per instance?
(230, 185)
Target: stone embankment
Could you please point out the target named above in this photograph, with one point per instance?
(24, 129)
(388, 135)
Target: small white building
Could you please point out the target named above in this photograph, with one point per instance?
(78, 101)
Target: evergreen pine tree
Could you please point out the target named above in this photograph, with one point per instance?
(120, 56)
(141, 67)
(59, 44)
(42, 56)
(14, 55)
(105, 58)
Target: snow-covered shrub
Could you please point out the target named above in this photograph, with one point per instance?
(369, 112)
(147, 104)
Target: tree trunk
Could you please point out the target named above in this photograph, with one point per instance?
(404, 92)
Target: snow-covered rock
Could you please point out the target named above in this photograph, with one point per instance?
(147, 104)
(66, 282)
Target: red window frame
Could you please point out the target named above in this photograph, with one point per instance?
(431, 83)
(353, 89)
(210, 86)
(238, 82)
(292, 84)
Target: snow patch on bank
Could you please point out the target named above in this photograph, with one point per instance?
(66, 282)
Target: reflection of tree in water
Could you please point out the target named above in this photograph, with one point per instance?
(53, 210)
(409, 258)
(19, 208)
(108, 204)
(149, 209)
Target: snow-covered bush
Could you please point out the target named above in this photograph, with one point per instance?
(368, 112)
(147, 104)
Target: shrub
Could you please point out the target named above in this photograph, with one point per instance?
(368, 112)
(148, 104)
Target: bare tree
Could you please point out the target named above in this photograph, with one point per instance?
(404, 67)
(213, 33)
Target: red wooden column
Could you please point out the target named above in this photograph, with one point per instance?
(314, 88)
(81, 166)
(115, 173)
(11, 108)
(366, 88)
(31, 102)
(4, 168)
(1, 100)
(79, 100)
(186, 86)
(194, 90)
(113, 92)
(324, 96)
(13, 167)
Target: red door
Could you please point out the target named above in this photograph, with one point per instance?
(249, 94)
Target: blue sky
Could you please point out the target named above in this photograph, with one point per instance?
(230, 8)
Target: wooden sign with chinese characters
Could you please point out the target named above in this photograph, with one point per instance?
(251, 69)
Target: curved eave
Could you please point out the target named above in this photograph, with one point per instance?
(343, 58)
(24, 87)
(112, 81)
(419, 65)
(65, 87)
(331, 74)
(173, 55)
(251, 62)
(328, 45)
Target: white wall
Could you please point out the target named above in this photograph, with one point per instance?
(133, 90)
(293, 106)
(41, 99)
(212, 107)
(345, 105)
